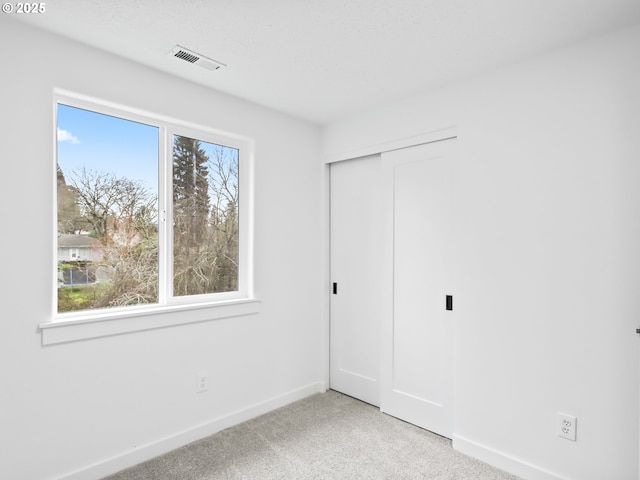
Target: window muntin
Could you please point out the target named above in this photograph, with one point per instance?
(166, 265)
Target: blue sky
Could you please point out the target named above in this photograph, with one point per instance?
(107, 144)
(113, 145)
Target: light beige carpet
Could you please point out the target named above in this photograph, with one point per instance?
(327, 436)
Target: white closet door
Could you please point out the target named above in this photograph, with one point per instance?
(355, 269)
(417, 357)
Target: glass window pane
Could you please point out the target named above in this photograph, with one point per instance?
(107, 204)
(205, 217)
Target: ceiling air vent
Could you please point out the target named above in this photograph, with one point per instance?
(195, 58)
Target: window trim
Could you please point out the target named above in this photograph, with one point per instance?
(70, 326)
(141, 319)
(166, 296)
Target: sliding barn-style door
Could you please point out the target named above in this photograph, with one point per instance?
(417, 345)
(356, 278)
(392, 243)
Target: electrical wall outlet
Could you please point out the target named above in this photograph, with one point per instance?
(202, 382)
(567, 426)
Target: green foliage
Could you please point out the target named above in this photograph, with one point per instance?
(122, 215)
(191, 201)
(69, 218)
(207, 261)
(78, 297)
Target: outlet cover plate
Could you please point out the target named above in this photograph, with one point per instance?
(567, 426)
(202, 382)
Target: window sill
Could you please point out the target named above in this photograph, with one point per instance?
(116, 323)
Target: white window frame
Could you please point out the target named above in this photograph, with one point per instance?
(170, 310)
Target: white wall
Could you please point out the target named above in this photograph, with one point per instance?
(119, 399)
(548, 253)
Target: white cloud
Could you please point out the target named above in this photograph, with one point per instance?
(64, 136)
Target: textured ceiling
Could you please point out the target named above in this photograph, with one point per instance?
(325, 59)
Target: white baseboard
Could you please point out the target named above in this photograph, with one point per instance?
(500, 460)
(164, 445)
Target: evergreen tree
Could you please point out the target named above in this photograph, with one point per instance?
(191, 206)
(69, 218)
(190, 191)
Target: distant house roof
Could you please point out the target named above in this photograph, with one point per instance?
(69, 240)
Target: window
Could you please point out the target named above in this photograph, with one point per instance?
(150, 212)
(205, 217)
